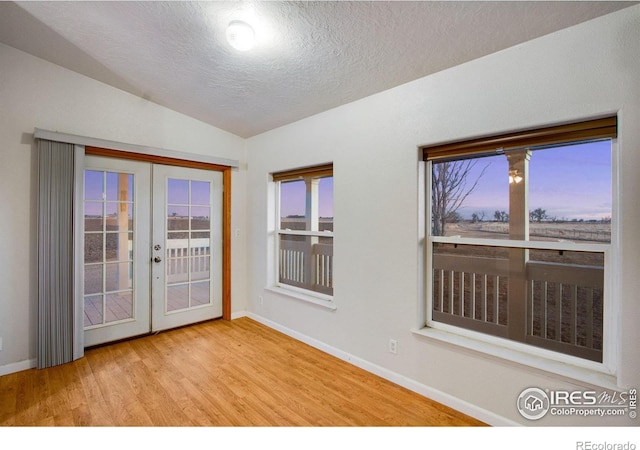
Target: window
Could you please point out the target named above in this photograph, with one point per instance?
(519, 238)
(305, 230)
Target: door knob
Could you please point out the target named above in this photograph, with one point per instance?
(157, 259)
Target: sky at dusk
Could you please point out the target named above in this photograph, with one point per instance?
(572, 182)
(293, 198)
(100, 186)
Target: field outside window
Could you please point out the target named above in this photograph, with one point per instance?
(517, 244)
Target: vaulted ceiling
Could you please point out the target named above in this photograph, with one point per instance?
(309, 56)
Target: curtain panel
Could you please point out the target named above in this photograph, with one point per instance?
(56, 306)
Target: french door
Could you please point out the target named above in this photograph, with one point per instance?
(186, 285)
(152, 247)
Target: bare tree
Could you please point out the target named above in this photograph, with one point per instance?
(477, 217)
(538, 215)
(450, 188)
(501, 216)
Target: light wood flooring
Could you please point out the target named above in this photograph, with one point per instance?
(218, 373)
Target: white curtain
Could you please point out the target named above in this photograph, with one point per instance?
(59, 340)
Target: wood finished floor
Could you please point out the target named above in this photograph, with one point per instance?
(219, 373)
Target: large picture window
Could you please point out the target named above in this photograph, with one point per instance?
(519, 236)
(305, 230)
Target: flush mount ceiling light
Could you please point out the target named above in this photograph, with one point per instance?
(240, 35)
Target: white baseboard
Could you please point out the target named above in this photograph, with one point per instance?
(17, 367)
(238, 314)
(458, 404)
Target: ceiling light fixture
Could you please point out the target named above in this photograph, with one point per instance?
(240, 35)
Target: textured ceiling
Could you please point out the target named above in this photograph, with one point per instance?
(310, 57)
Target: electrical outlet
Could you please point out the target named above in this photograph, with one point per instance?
(0, 344)
(393, 346)
(261, 300)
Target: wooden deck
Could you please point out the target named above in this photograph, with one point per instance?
(119, 305)
(218, 373)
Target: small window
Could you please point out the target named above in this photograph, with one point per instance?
(519, 236)
(305, 230)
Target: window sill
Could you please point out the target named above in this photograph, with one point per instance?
(515, 356)
(323, 302)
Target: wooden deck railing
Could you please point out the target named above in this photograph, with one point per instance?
(307, 266)
(563, 302)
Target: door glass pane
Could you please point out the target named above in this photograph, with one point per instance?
(118, 246)
(93, 248)
(177, 217)
(200, 269)
(177, 241)
(108, 252)
(119, 187)
(119, 306)
(177, 297)
(177, 270)
(118, 276)
(92, 279)
(200, 294)
(178, 191)
(93, 216)
(93, 310)
(200, 244)
(177, 259)
(93, 185)
(200, 218)
(200, 193)
(188, 257)
(119, 216)
(200, 256)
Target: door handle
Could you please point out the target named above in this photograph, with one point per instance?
(157, 259)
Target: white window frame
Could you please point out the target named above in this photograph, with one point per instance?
(300, 293)
(602, 373)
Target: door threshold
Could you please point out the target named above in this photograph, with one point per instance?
(150, 333)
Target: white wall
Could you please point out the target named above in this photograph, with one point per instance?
(37, 94)
(583, 72)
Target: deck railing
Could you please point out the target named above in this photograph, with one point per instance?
(563, 302)
(301, 264)
(180, 251)
(307, 266)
